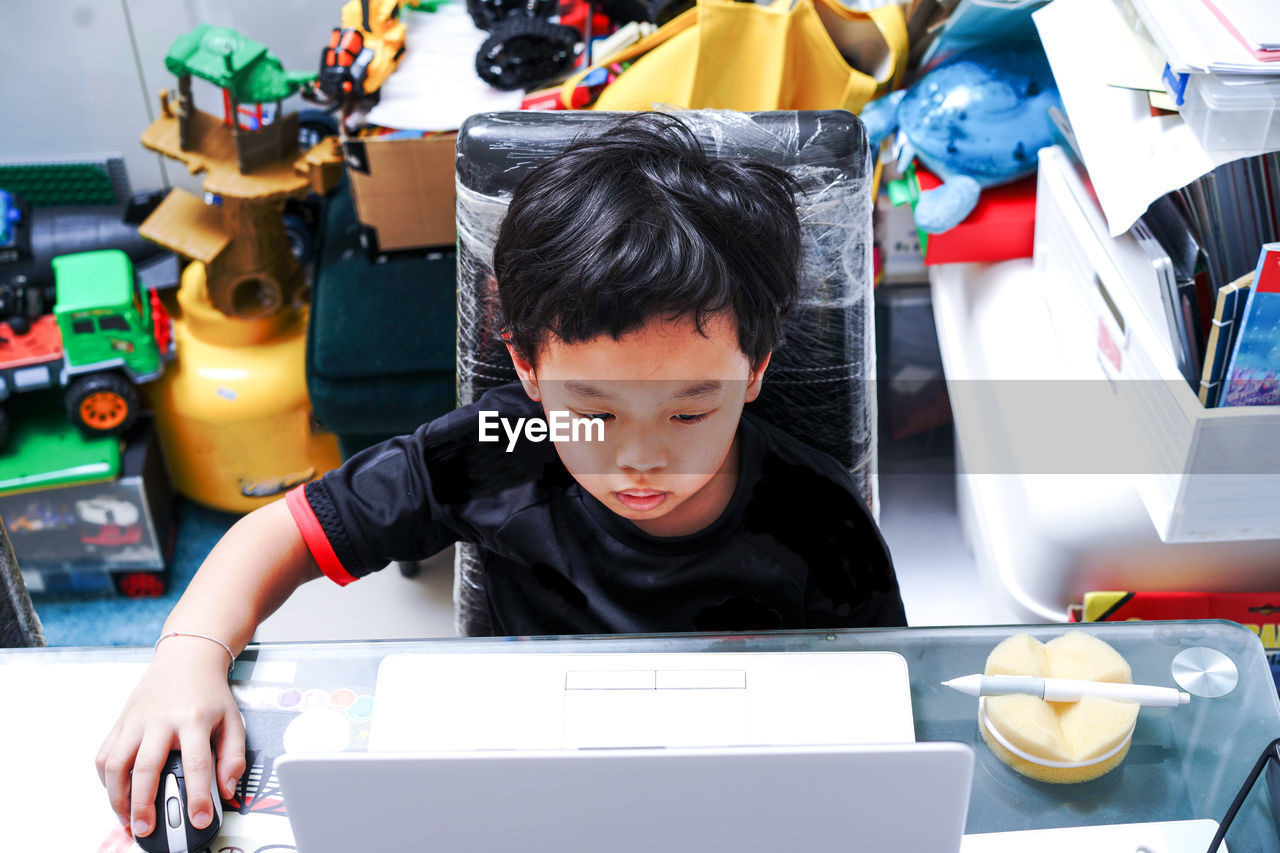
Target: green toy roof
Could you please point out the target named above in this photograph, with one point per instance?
(242, 66)
(88, 280)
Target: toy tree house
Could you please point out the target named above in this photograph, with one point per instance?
(252, 167)
(234, 416)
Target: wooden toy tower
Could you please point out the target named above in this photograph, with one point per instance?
(252, 166)
(234, 416)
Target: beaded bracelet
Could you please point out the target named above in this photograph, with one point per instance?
(227, 648)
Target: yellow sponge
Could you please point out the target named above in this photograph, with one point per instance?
(1060, 741)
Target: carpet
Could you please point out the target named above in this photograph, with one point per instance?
(80, 621)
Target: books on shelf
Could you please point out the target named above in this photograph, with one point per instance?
(1253, 374)
(1226, 321)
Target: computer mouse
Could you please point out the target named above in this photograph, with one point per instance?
(173, 832)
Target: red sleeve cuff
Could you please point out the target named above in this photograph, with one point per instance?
(314, 536)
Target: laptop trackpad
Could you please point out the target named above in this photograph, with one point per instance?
(655, 708)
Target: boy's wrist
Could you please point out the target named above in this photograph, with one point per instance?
(194, 648)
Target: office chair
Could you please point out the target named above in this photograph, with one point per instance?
(818, 385)
(19, 625)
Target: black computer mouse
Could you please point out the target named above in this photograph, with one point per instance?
(173, 832)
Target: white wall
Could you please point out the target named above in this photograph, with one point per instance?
(82, 77)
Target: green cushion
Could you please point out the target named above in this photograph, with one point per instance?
(380, 343)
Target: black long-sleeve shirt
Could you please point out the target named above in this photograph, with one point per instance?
(794, 548)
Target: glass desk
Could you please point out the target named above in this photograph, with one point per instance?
(1185, 762)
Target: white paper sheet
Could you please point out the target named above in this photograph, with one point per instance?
(1195, 40)
(1257, 20)
(1133, 157)
(436, 86)
(1184, 836)
(53, 718)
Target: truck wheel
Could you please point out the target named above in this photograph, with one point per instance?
(4, 428)
(302, 240)
(141, 584)
(19, 324)
(102, 404)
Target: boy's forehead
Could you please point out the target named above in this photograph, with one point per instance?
(665, 350)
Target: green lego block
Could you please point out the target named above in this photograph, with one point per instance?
(59, 184)
(44, 449)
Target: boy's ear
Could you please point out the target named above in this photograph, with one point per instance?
(756, 379)
(524, 369)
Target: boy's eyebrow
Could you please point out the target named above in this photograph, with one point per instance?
(708, 386)
(582, 389)
(697, 389)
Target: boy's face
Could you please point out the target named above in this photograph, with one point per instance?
(671, 398)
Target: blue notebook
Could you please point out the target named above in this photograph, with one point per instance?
(1253, 375)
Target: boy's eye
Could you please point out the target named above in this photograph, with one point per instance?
(595, 416)
(690, 419)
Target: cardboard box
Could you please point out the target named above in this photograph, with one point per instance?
(403, 189)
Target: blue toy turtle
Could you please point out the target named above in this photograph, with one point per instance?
(977, 120)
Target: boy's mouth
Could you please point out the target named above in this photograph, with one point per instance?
(641, 500)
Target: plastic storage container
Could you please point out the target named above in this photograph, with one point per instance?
(1225, 116)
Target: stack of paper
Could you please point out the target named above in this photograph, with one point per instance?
(1193, 36)
(1256, 27)
(1134, 157)
(436, 86)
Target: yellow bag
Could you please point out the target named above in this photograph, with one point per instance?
(789, 55)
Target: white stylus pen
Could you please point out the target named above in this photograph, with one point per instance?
(1067, 690)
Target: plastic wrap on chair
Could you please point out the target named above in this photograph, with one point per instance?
(19, 625)
(818, 386)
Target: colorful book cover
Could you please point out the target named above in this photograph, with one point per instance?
(1226, 317)
(1253, 376)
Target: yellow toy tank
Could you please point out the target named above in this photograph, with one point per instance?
(232, 412)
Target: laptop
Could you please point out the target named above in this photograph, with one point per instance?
(549, 700)
(906, 798)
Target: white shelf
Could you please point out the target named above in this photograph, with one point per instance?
(1043, 539)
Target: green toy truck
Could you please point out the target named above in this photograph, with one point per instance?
(104, 338)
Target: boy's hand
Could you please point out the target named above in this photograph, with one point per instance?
(183, 700)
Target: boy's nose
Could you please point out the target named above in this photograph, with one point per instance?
(640, 455)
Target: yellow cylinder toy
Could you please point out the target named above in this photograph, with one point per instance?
(232, 413)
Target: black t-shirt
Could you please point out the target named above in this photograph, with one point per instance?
(795, 547)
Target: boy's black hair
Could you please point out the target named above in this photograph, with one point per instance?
(639, 222)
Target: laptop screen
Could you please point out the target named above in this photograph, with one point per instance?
(548, 700)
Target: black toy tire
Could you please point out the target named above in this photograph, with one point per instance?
(313, 126)
(521, 52)
(481, 12)
(115, 390)
(19, 324)
(625, 11)
(301, 235)
(662, 11)
(4, 428)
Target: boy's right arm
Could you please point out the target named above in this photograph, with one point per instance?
(184, 699)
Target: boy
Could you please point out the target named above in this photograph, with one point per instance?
(643, 287)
